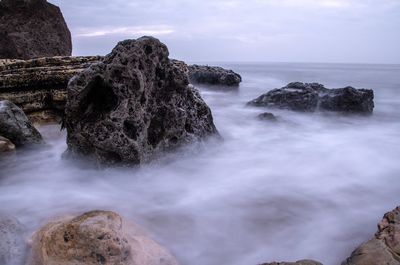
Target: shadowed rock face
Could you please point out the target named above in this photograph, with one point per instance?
(213, 75)
(384, 248)
(311, 97)
(132, 105)
(97, 237)
(31, 29)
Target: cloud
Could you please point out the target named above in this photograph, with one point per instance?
(125, 31)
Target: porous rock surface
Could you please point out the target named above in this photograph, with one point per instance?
(213, 75)
(132, 105)
(39, 86)
(15, 126)
(384, 247)
(309, 97)
(300, 262)
(12, 245)
(31, 29)
(97, 237)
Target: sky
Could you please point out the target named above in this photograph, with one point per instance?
(332, 31)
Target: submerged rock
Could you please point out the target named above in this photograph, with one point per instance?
(6, 145)
(31, 29)
(300, 262)
(384, 248)
(310, 97)
(132, 105)
(39, 86)
(213, 75)
(267, 116)
(15, 126)
(97, 237)
(12, 245)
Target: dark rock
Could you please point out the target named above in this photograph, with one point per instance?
(97, 237)
(213, 75)
(384, 248)
(133, 105)
(300, 262)
(15, 126)
(12, 245)
(311, 97)
(267, 116)
(39, 86)
(6, 145)
(31, 29)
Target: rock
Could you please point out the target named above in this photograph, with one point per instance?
(133, 105)
(213, 75)
(31, 29)
(93, 238)
(384, 248)
(12, 245)
(309, 97)
(300, 262)
(6, 145)
(39, 86)
(267, 116)
(15, 126)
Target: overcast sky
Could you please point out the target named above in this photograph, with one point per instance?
(243, 30)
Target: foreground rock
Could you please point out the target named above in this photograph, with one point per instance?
(97, 237)
(39, 86)
(213, 75)
(311, 97)
(300, 262)
(6, 145)
(31, 29)
(15, 126)
(12, 245)
(133, 105)
(384, 248)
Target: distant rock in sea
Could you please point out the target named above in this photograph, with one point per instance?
(213, 75)
(31, 29)
(133, 105)
(310, 97)
(267, 116)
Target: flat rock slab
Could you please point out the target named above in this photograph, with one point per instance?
(12, 243)
(300, 262)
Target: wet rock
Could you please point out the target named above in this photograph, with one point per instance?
(300, 262)
(133, 105)
(384, 248)
(39, 86)
(15, 126)
(309, 97)
(31, 29)
(267, 116)
(12, 244)
(97, 237)
(213, 75)
(6, 145)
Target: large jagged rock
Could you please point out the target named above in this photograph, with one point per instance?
(93, 238)
(31, 29)
(15, 126)
(310, 97)
(132, 105)
(384, 248)
(213, 75)
(12, 245)
(39, 86)
(300, 262)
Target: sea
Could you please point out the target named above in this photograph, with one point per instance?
(308, 186)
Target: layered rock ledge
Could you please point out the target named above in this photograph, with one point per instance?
(39, 86)
(309, 97)
(200, 74)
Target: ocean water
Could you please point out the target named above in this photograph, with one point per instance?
(312, 185)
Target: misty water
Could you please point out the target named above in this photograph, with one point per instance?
(312, 185)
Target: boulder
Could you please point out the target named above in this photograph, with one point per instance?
(300, 262)
(133, 105)
(12, 243)
(213, 75)
(309, 97)
(97, 237)
(31, 29)
(15, 126)
(384, 247)
(267, 116)
(6, 145)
